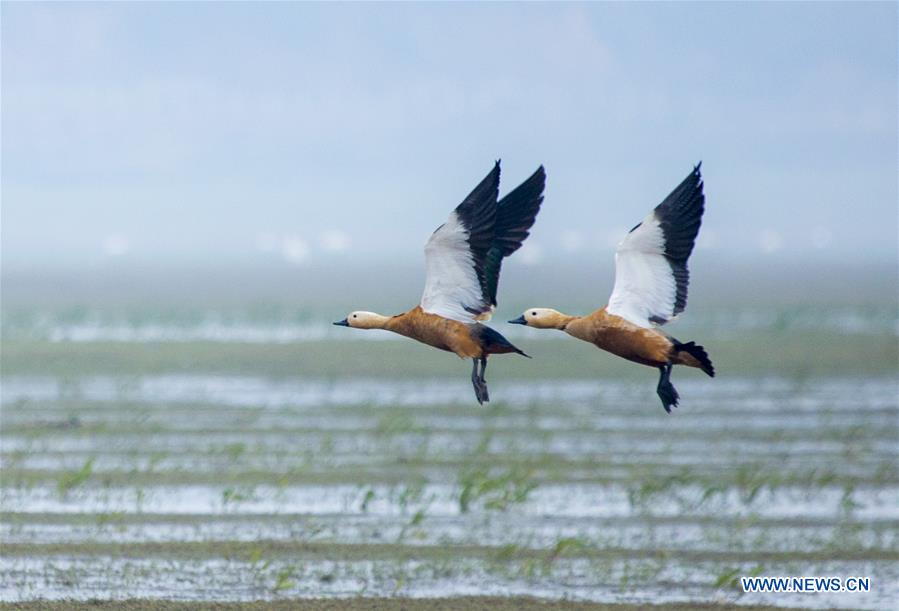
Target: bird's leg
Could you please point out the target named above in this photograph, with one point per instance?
(665, 389)
(484, 392)
(476, 381)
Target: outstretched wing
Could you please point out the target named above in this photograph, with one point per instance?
(651, 275)
(515, 215)
(463, 257)
(454, 252)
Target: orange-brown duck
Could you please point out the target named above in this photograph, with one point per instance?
(651, 280)
(462, 261)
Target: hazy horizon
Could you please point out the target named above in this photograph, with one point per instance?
(316, 135)
(393, 286)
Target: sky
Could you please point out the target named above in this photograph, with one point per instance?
(311, 134)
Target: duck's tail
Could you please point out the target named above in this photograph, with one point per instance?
(693, 355)
(493, 342)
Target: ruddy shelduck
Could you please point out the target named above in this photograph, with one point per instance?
(462, 263)
(650, 289)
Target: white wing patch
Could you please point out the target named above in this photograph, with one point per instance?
(450, 279)
(645, 288)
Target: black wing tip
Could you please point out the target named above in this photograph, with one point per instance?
(697, 177)
(492, 177)
(496, 171)
(531, 189)
(517, 212)
(687, 195)
(540, 174)
(537, 181)
(486, 190)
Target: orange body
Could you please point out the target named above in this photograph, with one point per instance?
(467, 341)
(436, 331)
(627, 340)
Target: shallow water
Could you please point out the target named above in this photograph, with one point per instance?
(562, 501)
(244, 487)
(157, 578)
(743, 395)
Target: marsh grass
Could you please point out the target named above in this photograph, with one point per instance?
(236, 495)
(495, 490)
(71, 480)
(285, 579)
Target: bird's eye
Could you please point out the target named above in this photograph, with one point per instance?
(355, 316)
(533, 313)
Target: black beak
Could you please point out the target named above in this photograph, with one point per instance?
(519, 321)
(342, 323)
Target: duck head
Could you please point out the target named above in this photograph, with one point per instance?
(363, 320)
(542, 318)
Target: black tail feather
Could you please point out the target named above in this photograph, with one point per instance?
(493, 342)
(699, 353)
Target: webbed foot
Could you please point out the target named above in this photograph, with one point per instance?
(666, 390)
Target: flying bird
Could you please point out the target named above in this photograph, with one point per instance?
(462, 261)
(650, 289)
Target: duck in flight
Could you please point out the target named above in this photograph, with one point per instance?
(650, 289)
(462, 263)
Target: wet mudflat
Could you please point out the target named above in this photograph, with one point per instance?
(475, 603)
(208, 483)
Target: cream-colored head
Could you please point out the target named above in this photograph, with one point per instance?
(542, 318)
(363, 320)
